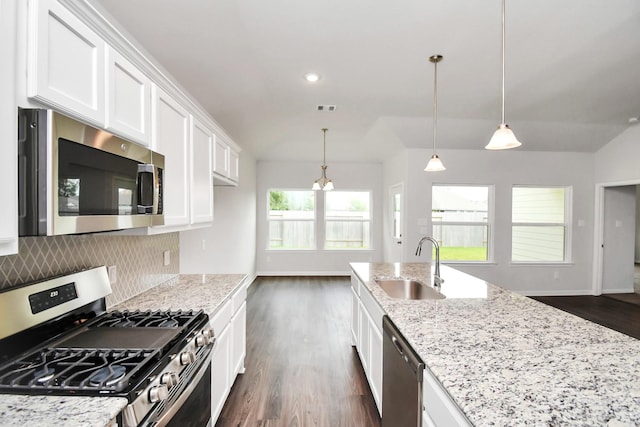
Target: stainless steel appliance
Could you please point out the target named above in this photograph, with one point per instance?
(401, 379)
(57, 338)
(74, 178)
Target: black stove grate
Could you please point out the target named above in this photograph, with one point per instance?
(79, 370)
(145, 319)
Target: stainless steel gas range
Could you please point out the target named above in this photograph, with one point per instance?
(57, 338)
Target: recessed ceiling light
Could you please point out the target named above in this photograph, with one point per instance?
(311, 77)
(633, 120)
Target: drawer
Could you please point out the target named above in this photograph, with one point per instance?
(373, 308)
(221, 318)
(238, 298)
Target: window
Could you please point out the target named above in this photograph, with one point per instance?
(291, 219)
(460, 221)
(347, 220)
(539, 224)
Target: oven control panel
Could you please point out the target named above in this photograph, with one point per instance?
(52, 297)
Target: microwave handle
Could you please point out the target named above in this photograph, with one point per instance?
(146, 188)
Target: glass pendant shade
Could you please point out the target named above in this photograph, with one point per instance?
(435, 164)
(503, 138)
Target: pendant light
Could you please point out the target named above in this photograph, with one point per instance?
(323, 183)
(435, 164)
(503, 138)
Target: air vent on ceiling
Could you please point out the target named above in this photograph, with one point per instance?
(330, 108)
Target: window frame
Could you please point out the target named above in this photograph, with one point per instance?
(490, 227)
(325, 220)
(269, 220)
(568, 215)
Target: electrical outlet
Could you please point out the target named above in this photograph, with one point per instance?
(166, 257)
(113, 274)
(204, 244)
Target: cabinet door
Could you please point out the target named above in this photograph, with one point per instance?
(202, 140)
(170, 131)
(234, 165)
(128, 99)
(363, 334)
(8, 131)
(355, 304)
(238, 340)
(221, 158)
(220, 368)
(65, 62)
(375, 364)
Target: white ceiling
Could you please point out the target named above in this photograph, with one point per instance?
(572, 80)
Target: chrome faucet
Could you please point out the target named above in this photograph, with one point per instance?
(437, 280)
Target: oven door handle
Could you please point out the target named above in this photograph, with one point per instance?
(193, 383)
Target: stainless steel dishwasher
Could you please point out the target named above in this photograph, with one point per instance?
(401, 379)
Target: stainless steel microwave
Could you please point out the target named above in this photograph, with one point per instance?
(74, 178)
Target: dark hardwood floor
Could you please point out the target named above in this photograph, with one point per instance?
(614, 314)
(301, 369)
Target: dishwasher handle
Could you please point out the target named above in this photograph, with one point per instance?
(403, 347)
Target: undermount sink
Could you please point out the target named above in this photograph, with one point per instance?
(408, 289)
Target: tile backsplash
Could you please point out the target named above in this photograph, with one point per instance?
(139, 260)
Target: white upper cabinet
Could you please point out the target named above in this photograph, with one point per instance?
(225, 163)
(65, 62)
(8, 131)
(128, 93)
(202, 140)
(170, 130)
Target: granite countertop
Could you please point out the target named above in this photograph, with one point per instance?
(186, 292)
(506, 359)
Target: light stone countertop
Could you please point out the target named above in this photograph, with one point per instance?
(187, 292)
(506, 359)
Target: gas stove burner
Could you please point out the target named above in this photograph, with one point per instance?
(108, 375)
(44, 374)
(169, 323)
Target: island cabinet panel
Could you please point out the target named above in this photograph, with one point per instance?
(367, 331)
(170, 130)
(128, 99)
(65, 62)
(355, 314)
(437, 407)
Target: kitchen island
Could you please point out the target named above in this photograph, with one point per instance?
(188, 292)
(505, 359)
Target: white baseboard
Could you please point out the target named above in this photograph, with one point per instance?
(554, 293)
(304, 273)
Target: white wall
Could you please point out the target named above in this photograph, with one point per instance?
(230, 243)
(619, 160)
(300, 175)
(503, 169)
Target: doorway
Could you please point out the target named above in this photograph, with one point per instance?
(617, 240)
(396, 225)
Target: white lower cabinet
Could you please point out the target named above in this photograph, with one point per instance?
(438, 409)
(220, 373)
(368, 336)
(229, 326)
